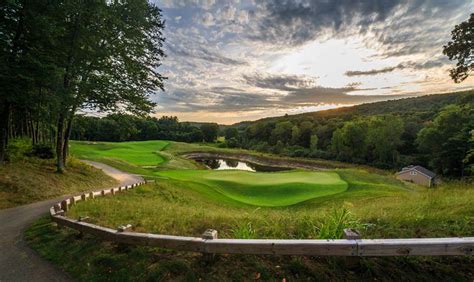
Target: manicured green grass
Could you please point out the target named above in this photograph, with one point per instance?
(265, 189)
(143, 153)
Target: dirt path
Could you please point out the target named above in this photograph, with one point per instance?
(20, 263)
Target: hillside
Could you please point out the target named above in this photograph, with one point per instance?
(427, 105)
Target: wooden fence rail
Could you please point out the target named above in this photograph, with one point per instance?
(210, 244)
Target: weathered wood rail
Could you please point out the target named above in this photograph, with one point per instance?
(209, 243)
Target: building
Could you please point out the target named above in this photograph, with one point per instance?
(418, 175)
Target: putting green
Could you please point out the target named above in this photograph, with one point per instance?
(142, 153)
(264, 189)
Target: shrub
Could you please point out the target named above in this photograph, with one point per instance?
(18, 148)
(42, 151)
(334, 224)
(232, 142)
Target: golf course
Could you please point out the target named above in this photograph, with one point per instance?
(184, 197)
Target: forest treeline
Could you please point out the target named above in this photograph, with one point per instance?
(124, 127)
(436, 131)
(62, 56)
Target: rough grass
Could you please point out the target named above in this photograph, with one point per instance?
(171, 206)
(31, 180)
(90, 259)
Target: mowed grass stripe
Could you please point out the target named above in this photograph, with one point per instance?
(265, 189)
(140, 153)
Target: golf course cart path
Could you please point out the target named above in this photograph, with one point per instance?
(17, 261)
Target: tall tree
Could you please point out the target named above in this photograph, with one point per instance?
(461, 49)
(109, 52)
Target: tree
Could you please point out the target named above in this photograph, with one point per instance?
(231, 132)
(446, 141)
(469, 159)
(314, 142)
(282, 132)
(461, 49)
(295, 135)
(109, 52)
(210, 131)
(384, 138)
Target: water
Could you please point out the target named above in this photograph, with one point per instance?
(221, 164)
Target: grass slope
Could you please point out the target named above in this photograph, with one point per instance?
(142, 153)
(265, 189)
(31, 180)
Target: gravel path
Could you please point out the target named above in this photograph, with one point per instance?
(17, 261)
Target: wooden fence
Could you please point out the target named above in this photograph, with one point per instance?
(209, 243)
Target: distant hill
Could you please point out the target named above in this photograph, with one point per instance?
(428, 104)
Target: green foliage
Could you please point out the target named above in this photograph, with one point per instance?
(446, 141)
(461, 49)
(334, 224)
(122, 127)
(18, 149)
(314, 142)
(210, 131)
(42, 151)
(384, 138)
(381, 134)
(243, 230)
(283, 132)
(231, 132)
(62, 56)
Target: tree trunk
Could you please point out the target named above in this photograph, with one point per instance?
(4, 124)
(60, 144)
(67, 135)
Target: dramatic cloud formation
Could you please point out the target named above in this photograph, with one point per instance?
(234, 60)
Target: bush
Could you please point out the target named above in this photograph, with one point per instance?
(18, 148)
(232, 142)
(42, 151)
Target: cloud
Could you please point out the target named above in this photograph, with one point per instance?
(325, 95)
(297, 22)
(436, 63)
(370, 72)
(203, 54)
(279, 82)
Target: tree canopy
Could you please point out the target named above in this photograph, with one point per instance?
(461, 49)
(63, 56)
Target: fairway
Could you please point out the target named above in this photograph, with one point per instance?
(273, 189)
(144, 153)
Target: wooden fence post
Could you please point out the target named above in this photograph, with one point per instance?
(64, 206)
(209, 234)
(352, 234)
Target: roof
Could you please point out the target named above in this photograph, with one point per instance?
(420, 169)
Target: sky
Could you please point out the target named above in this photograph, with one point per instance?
(237, 60)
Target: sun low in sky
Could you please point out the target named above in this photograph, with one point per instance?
(229, 61)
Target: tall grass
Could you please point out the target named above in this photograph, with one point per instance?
(181, 208)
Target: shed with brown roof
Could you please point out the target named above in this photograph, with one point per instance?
(417, 174)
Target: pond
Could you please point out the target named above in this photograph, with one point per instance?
(221, 164)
